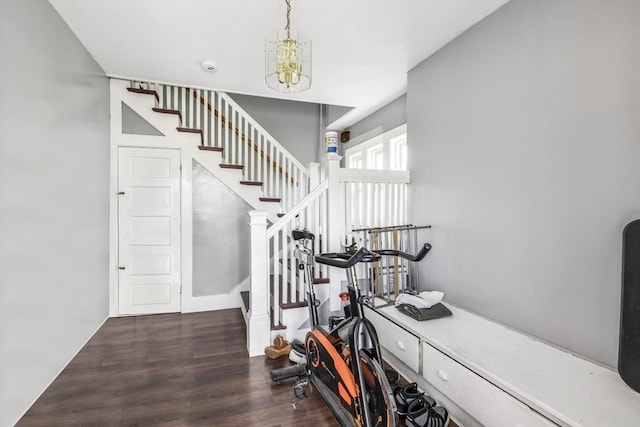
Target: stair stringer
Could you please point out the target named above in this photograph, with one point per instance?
(188, 143)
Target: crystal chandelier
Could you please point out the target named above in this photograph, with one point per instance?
(288, 60)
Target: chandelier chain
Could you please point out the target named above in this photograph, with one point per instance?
(288, 27)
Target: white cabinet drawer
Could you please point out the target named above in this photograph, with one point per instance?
(485, 402)
(402, 344)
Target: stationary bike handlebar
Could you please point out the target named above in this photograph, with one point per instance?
(341, 260)
(346, 260)
(416, 258)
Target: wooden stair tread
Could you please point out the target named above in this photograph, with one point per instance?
(270, 199)
(280, 215)
(254, 183)
(227, 166)
(144, 92)
(167, 111)
(207, 148)
(290, 305)
(320, 280)
(189, 130)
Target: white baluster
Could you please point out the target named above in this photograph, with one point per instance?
(252, 153)
(218, 109)
(276, 279)
(285, 177)
(245, 144)
(272, 167)
(210, 118)
(260, 162)
(195, 108)
(227, 139)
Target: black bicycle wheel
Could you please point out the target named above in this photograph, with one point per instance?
(378, 395)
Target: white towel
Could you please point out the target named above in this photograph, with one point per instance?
(425, 299)
(432, 297)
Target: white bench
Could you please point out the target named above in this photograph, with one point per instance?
(487, 374)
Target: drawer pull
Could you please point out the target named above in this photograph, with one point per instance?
(400, 345)
(443, 375)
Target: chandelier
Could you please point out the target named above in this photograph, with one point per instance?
(288, 60)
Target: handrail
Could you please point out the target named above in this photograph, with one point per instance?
(243, 137)
(373, 176)
(300, 206)
(257, 126)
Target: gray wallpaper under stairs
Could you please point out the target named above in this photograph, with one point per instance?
(220, 235)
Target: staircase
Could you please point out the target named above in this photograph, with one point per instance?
(235, 148)
(223, 138)
(212, 129)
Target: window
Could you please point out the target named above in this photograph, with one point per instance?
(355, 161)
(386, 151)
(398, 153)
(375, 157)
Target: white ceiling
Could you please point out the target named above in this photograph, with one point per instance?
(362, 49)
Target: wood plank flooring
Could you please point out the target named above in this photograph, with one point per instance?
(172, 370)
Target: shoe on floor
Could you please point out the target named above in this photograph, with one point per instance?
(299, 347)
(296, 357)
(392, 376)
(405, 396)
(422, 414)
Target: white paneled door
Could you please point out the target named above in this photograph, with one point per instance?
(149, 230)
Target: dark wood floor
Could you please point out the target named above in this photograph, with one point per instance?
(172, 370)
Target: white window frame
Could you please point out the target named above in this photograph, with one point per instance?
(392, 144)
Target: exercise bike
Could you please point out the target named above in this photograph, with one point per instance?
(344, 364)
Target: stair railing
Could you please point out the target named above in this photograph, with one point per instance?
(285, 280)
(348, 199)
(243, 142)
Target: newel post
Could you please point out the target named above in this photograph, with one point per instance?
(335, 224)
(259, 324)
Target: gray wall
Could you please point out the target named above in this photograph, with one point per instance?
(293, 124)
(386, 118)
(54, 180)
(524, 152)
(334, 112)
(132, 123)
(220, 235)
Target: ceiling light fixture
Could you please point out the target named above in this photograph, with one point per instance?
(288, 60)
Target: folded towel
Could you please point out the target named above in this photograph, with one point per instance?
(435, 312)
(431, 297)
(423, 300)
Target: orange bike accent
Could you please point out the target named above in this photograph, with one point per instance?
(341, 367)
(344, 394)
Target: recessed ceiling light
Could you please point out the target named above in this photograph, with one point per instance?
(209, 66)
